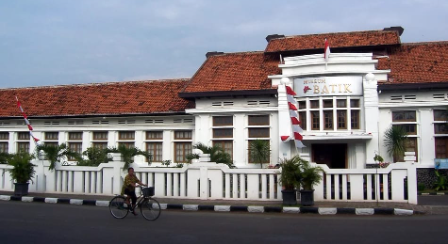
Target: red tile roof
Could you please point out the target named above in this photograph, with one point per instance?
(417, 63)
(234, 72)
(341, 39)
(115, 98)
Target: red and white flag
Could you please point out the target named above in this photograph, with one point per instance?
(326, 50)
(30, 128)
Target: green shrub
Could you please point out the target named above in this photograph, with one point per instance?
(421, 187)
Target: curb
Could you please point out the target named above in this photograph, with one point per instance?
(432, 193)
(228, 208)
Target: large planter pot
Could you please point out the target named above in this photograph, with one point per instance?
(21, 189)
(307, 197)
(289, 197)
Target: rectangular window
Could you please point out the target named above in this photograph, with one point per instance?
(127, 144)
(314, 103)
(74, 147)
(440, 115)
(328, 103)
(154, 135)
(3, 147)
(4, 136)
(101, 145)
(126, 135)
(100, 135)
(441, 147)
(156, 150)
(354, 119)
(302, 104)
(226, 145)
(328, 120)
(181, 150)
(341, 103)
(354, 103)
(223, 133)
(342, 119)
(410, 129)
(23, 136)
(182, 135)
(403, 116)
(51, 143)
(302, 119)
(259, 133)
(51, 135)
(222, 120)
(251, 161)
(23, 146)
(75, 136)
(410, 145)
(315, 120)
(441, 128)
(258, 119)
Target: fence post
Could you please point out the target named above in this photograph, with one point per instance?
(117, 170)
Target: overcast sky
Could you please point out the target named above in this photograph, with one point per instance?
(57, 42)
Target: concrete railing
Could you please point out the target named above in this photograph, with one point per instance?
(207, 180)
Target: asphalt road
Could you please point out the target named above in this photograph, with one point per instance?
(57, 223)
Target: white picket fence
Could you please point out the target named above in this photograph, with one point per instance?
(206, 180)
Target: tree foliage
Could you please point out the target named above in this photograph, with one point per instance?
(394, 139)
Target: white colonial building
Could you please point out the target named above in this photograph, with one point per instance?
(370, 82)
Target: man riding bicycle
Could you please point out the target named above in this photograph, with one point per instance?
(128, 188)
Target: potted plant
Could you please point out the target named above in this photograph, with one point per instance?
(290, 179)
(22, 172)
(309, 176)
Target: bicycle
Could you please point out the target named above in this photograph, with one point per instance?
(149, 207)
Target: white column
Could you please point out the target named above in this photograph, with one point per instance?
(112, 138)
(371, 115)
(426, 141)
(240, 143)
(86, 140)
(284, 118)
(11, 144)
(168, 145)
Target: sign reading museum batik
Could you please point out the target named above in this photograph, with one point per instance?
(328, 86)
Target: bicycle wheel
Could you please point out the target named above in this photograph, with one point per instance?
(118, 207)
(150, 209)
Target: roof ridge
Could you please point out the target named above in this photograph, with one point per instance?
(425, 43)
(333, 33)
(97, 84)
(239, 53)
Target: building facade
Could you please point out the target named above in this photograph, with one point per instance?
(370, 82)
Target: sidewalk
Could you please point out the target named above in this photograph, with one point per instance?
(432, 204)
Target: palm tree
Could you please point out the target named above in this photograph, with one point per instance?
(55, 153)
(259, 151)
(394, 140)
(4, 157)
(128, 154)
(217, 154)
(95, 156)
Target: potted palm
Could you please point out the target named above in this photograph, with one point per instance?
(22, 172)
(290, 179)
(309, 176)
